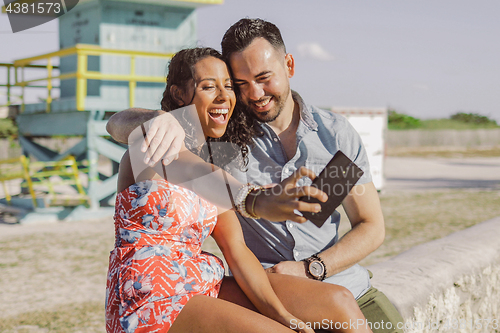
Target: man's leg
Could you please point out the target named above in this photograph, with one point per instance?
(378, 310)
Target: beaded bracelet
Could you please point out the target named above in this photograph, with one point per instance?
(241, 197)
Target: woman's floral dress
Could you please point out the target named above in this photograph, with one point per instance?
(157, 264)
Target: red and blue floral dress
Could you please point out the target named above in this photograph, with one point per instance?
(157, 264)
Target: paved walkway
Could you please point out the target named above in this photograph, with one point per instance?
(420, 174)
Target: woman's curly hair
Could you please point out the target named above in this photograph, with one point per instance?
(240, 128)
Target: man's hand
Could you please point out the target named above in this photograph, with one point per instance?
(297, 268)
(281, 202)
(164, 138)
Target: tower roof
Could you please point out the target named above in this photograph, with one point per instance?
(177, 3)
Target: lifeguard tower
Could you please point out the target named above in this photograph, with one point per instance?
(113, 55)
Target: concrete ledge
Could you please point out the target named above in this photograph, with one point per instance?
(453, 278)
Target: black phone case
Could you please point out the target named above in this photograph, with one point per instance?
(336, 180)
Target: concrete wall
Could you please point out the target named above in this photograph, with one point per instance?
(445, 283)
(447, 138)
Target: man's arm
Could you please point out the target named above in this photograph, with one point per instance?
(121, 124)
(363, 209)
(164, 134)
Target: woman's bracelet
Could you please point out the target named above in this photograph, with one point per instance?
(241, 198)
(252, 207)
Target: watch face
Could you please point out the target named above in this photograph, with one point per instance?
(316, 269)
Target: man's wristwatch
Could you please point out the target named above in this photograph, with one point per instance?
(316, 267)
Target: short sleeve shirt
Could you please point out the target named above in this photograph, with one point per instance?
(320, 135)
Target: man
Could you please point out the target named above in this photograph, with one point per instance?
(294, 135)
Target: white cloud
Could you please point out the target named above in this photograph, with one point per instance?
(314, 51)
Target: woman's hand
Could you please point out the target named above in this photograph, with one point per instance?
(281, 202)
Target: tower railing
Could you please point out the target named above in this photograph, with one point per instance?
(9, 84)
(82, 74)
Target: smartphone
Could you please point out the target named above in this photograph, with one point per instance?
(336, 180)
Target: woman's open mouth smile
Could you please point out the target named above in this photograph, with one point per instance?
(219, 116)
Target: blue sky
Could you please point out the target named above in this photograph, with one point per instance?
(426, 58)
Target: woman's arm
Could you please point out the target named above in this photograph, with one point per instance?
(248, 272)
(126, 175)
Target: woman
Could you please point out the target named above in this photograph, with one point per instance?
(159, 280)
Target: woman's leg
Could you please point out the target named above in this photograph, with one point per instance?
(325, 305)
(208, 314)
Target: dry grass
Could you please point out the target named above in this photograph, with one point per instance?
(413, 219)
(53, 276)
(87, 317)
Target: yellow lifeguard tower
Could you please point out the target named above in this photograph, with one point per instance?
(113, 55)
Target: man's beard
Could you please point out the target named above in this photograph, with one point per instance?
(271, 115)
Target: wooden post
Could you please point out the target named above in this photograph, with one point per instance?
(81, 81)
(49, 84)
(132, 83)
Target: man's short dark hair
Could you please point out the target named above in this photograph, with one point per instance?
(242, 33)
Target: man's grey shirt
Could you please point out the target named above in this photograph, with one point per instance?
(320, 135)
